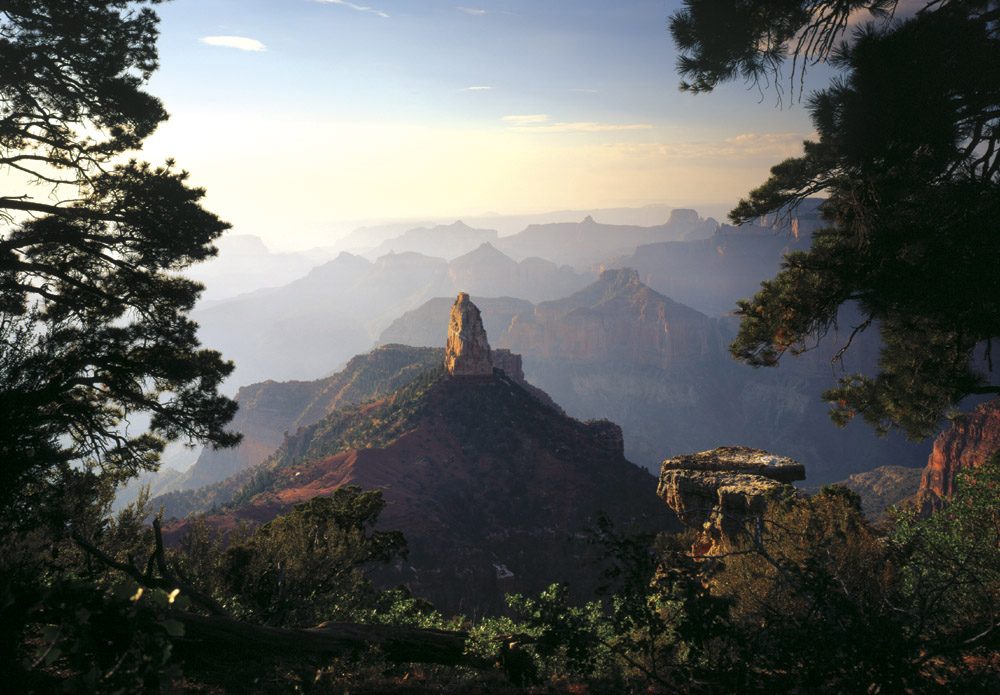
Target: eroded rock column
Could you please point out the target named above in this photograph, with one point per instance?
(467, 352)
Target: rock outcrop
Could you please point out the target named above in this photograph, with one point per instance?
(969, 443)
(509, 363)
(467, 352)
(739, 459)
(722, 491)
(609, 435)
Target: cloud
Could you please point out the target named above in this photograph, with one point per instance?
(744, 146)
(750, 144)
(586, 127)
(541, 123)
(241, 43)
(526, 119)
(359, 8)
(584, 90)
(475, 11)
(478, 88)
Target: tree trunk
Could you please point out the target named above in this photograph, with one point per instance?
(215, 634)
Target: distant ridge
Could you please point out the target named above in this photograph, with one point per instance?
(586, 243)
(617, 349)
(443, 241)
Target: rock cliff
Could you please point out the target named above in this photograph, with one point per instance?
(739, 459)
(970, 441)
(722, 491)
(467, 352)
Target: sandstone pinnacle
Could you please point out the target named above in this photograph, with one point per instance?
(467, 352)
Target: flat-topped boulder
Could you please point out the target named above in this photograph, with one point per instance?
(696, 495)
(725, 492)
(739, 459)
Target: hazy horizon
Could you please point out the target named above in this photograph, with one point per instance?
(337, 230)
(311, 118)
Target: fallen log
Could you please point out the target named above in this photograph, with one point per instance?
(399, 644)
(218, 636)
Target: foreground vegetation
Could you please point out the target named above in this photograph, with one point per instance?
(95, 335)
(810, 598)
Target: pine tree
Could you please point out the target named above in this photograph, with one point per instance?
(907, 159)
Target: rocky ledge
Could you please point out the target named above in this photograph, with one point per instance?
(739, 459)
(722, 491)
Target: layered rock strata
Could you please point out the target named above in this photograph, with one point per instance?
(724, 491)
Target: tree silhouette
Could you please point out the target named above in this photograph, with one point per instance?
(907, 157)
(93, 317)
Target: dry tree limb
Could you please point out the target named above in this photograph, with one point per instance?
(219, 634)
(399, 644)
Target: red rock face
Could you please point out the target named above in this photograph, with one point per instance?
(970, 441)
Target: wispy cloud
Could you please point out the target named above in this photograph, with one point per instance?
(475, 11)
(542, 123)
(742, 146)
(526, 119)
(478, 88)
(584, 90)
(241, 43)
(750, 144)
(585, 127)
(358, 8)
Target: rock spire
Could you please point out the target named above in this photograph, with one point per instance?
(467, 352)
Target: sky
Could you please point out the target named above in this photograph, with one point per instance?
(305, 118)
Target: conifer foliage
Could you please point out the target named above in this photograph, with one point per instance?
(100, 366)
(94, 334)
(907, 158)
